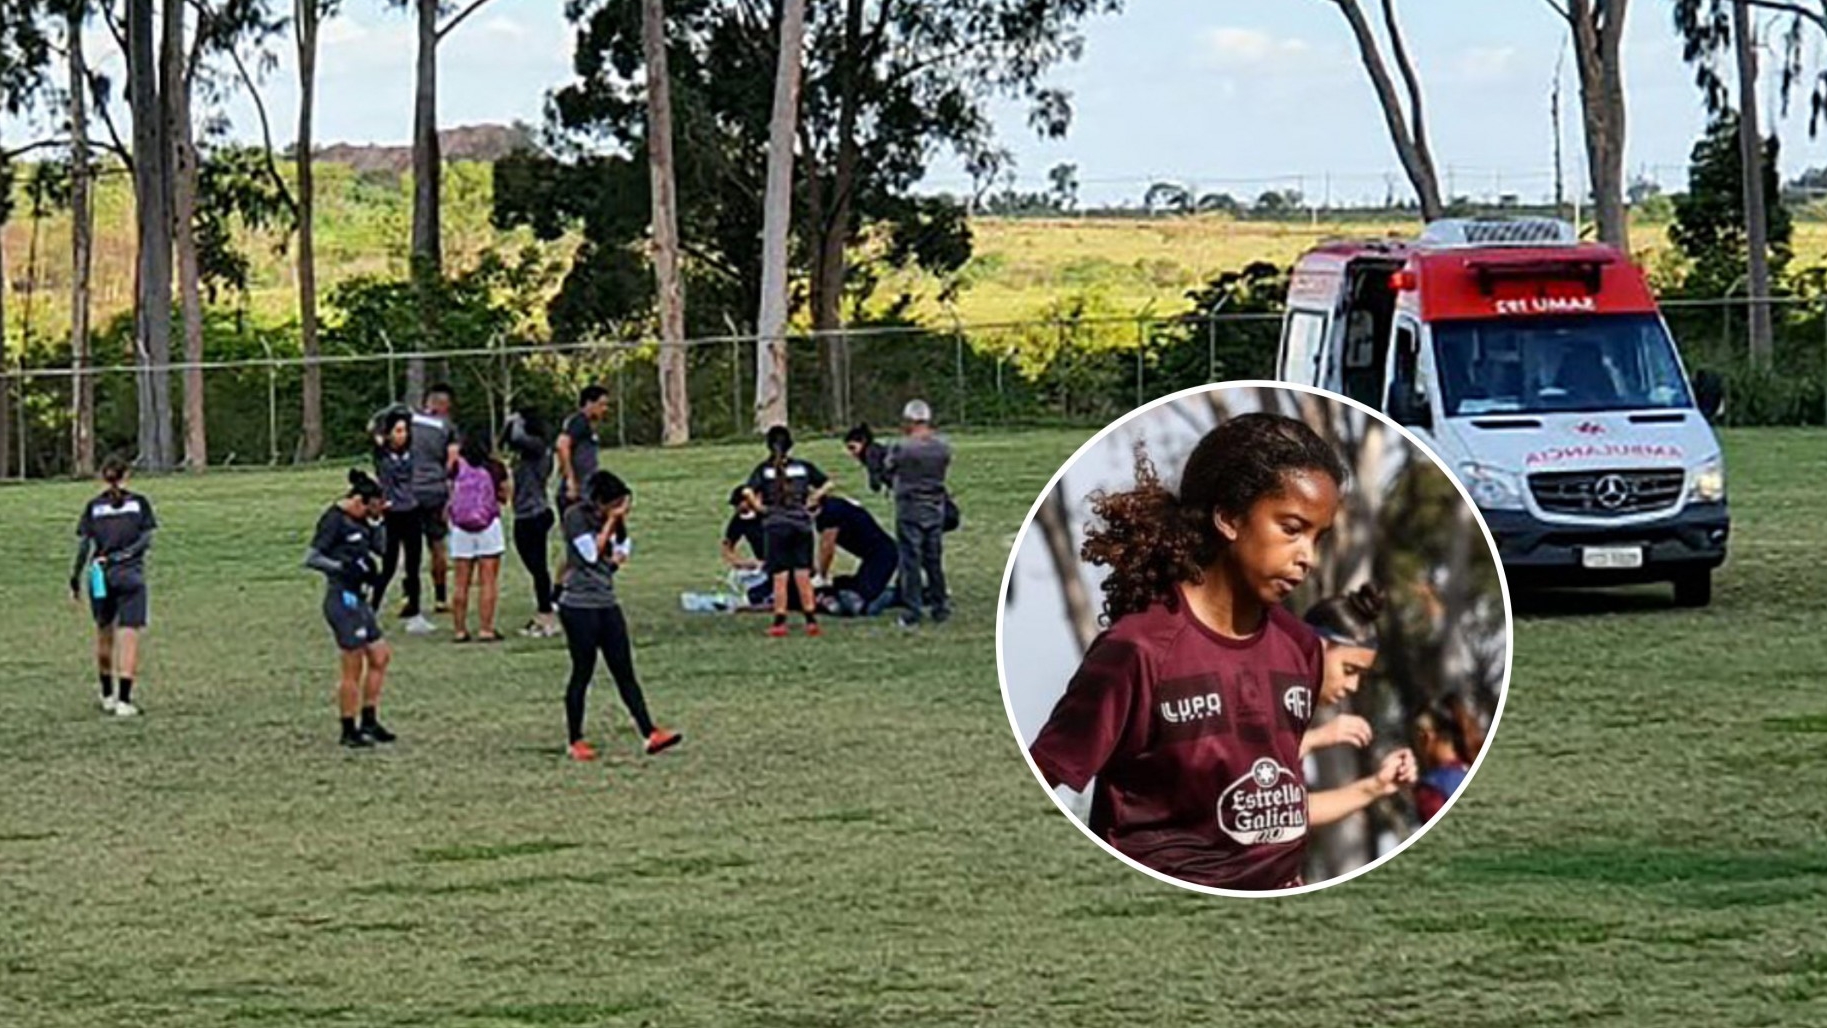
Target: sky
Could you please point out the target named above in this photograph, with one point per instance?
(1232, 95)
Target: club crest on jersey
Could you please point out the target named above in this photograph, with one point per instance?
(1267, 805)
(1191, 708)
(1297, 702)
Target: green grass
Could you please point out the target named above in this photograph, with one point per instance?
(849, 835)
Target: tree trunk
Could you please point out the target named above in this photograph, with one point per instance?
(427, 166)
(675, 397)
(1407, 130)
(834, 239)
(184, 229)
(1056, 531)
(152, 211)
(82, 235)
(777, 220)
(305, 20)
(1756, 216)
(1598, 31)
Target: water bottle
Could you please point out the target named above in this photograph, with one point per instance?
(98, 581)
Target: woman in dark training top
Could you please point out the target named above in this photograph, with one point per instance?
(112, 537)
(1189, 709)
(592, 615)
(786, 490)
(346, 548)
(405, 533)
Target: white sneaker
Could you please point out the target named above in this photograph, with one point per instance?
(417, 625)
(122, 709)
(108, 703)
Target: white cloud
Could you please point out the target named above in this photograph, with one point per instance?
(1485, 63)
(504, 27)
(341, 31)
(1233, 46)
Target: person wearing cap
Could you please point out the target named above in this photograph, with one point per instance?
(917, 465)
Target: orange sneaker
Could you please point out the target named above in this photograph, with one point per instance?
(661, 739)
(814, 631)
(777, 631)
(582, 751)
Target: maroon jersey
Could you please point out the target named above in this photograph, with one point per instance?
(1194, 739)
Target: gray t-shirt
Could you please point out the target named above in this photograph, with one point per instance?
(918, 466)
(591, 584)
(432, 438)
(532, 469)
(582, 433)
(394, 472)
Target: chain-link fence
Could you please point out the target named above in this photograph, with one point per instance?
(1078, 371)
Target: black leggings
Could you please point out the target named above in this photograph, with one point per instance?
(589, 630)
(530, 542)
(405, 529)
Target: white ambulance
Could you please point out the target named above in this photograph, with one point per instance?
(1540, 370)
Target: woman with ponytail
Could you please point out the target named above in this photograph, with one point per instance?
(347, 548)
(1189, 709)
(1347, 624)
(112, 537)
(786, 490)
(596, 548)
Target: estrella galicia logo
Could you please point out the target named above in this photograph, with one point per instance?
(1267, 805)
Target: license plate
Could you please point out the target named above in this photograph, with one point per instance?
(1612, 556)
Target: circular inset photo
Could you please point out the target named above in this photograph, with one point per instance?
(1254, 639)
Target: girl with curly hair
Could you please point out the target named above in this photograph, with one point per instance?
(1190, 708)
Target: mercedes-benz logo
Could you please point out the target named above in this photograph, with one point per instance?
(1611, 491)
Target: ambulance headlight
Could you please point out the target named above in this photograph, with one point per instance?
(1707, 483)
(1491, 488)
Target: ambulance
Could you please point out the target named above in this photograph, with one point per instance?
(1539, 369)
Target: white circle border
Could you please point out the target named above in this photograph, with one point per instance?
(1008, 575)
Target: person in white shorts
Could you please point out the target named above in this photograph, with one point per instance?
(478, 494)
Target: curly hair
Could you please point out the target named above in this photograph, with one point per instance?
(1153, 539)
(1350, 618)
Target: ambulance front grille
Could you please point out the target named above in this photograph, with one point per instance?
(1606, 493)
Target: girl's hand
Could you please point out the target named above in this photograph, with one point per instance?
(1398, 769)
(1344, 730)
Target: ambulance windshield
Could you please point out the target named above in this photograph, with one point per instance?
(1587, 362)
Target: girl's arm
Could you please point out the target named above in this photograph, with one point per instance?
(84, 546)
(734, 558)
(1398, 769)
(1344, 730)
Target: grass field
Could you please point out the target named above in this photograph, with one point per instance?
(849, 835)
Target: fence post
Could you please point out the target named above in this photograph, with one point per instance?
(735, 386)
(958, 352)
(392, 390)
(272, 400)
(1141, 350)
(1211, 347)
(621, 401)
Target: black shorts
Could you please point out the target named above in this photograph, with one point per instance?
(351, 620)
(123, 607)
(433, 519)
(789, 547)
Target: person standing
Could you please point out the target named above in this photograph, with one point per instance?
(534, 519)
(476, 538)
(592, 616)
(434, 464)
(786, 489)
(577, 444)
(344, 548)
(917, 465)
(112, 537)
(393, 470)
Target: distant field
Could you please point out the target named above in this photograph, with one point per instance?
(1021, 267)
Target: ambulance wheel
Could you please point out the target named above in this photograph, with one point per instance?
(1694, 589)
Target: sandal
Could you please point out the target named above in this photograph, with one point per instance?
(489, 637)
(460, 637)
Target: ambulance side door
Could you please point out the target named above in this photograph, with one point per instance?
(1408, 396)
(1303, 342)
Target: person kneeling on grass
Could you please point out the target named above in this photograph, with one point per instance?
(476, 539)
(843, 525)
(785, 490)
(348, 542)
(116, 530)
(591, 615)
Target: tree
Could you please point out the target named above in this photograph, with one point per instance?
(887, 82)
(777, 221)
(1597, 28)
(427, 162)
(1710, 223)
(307, 17)
(24, 56)
(1219, 203)
(1167, 198)
(82, 240)
(152, 207)
(675, 401)
(1064, 180)
(1407, 124)
(1707, 30)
